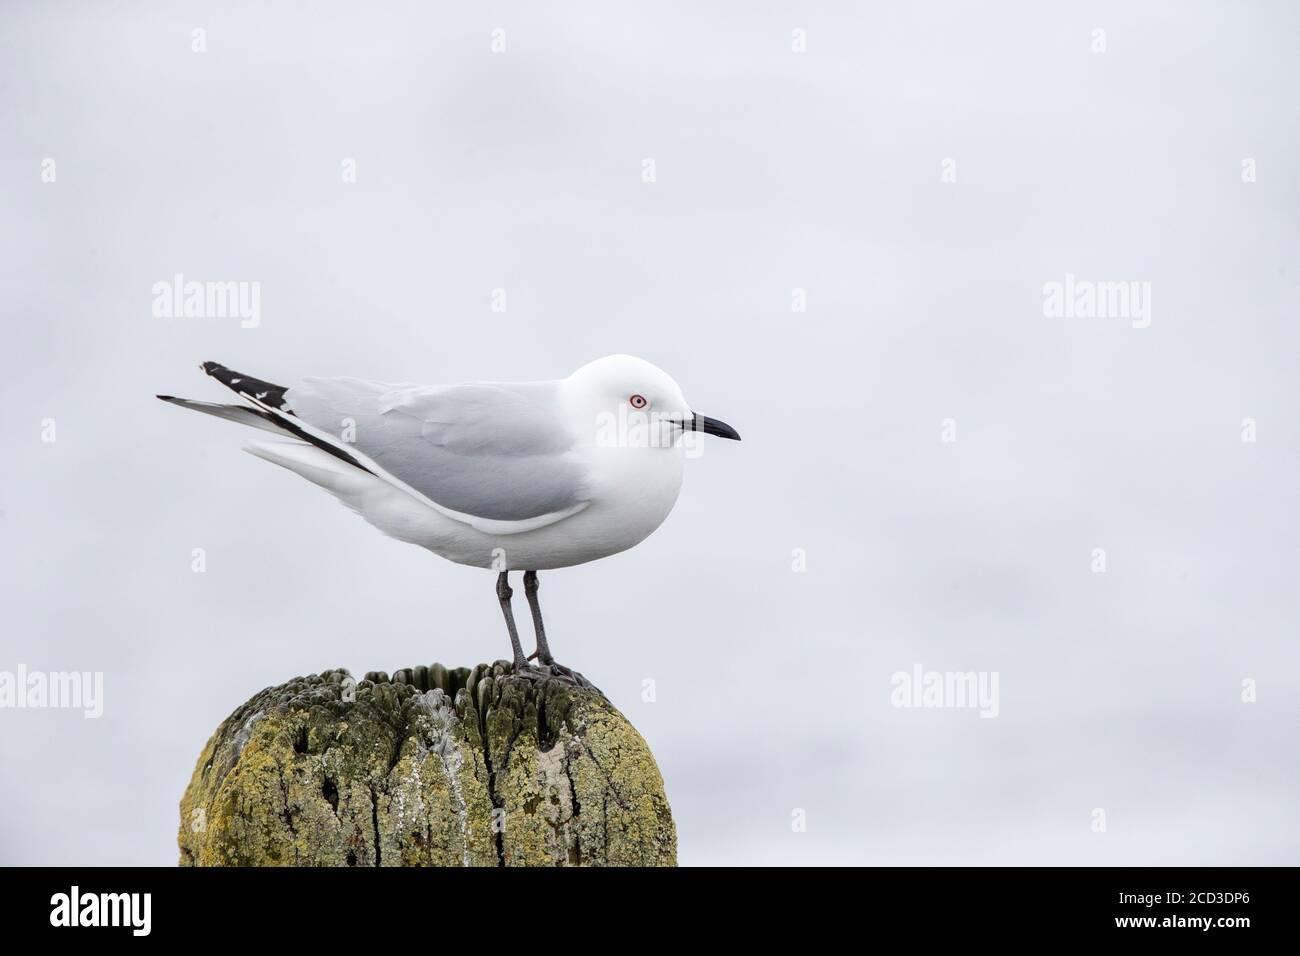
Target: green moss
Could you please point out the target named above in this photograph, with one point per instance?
(434, 767)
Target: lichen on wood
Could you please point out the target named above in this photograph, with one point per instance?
(433, 767)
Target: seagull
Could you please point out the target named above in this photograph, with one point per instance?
(506, 476)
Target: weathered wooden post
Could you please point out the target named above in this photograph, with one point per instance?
(434, 767)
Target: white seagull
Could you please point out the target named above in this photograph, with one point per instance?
(502, 475)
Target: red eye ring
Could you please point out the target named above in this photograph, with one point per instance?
(638, 401)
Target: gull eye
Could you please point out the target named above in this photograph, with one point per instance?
(638, 401)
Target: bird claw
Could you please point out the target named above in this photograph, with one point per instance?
(554, 671)
(529, 671)
(563, 673)
(566, 673)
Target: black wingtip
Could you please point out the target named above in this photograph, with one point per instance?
(166, 398)
(257, 390)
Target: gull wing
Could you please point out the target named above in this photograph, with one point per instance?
(499, 457)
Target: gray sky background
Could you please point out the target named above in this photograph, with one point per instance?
(775, 171)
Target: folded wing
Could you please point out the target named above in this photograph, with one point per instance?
(498, 456)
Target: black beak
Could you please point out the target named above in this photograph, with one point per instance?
(711, 426)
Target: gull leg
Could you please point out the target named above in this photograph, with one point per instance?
(504, 594)
(543, 651)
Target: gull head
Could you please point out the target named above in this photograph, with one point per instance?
(632, 402)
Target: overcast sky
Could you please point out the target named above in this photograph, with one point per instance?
(914, 179)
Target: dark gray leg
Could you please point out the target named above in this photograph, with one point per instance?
(505, 593)
(543, 651)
